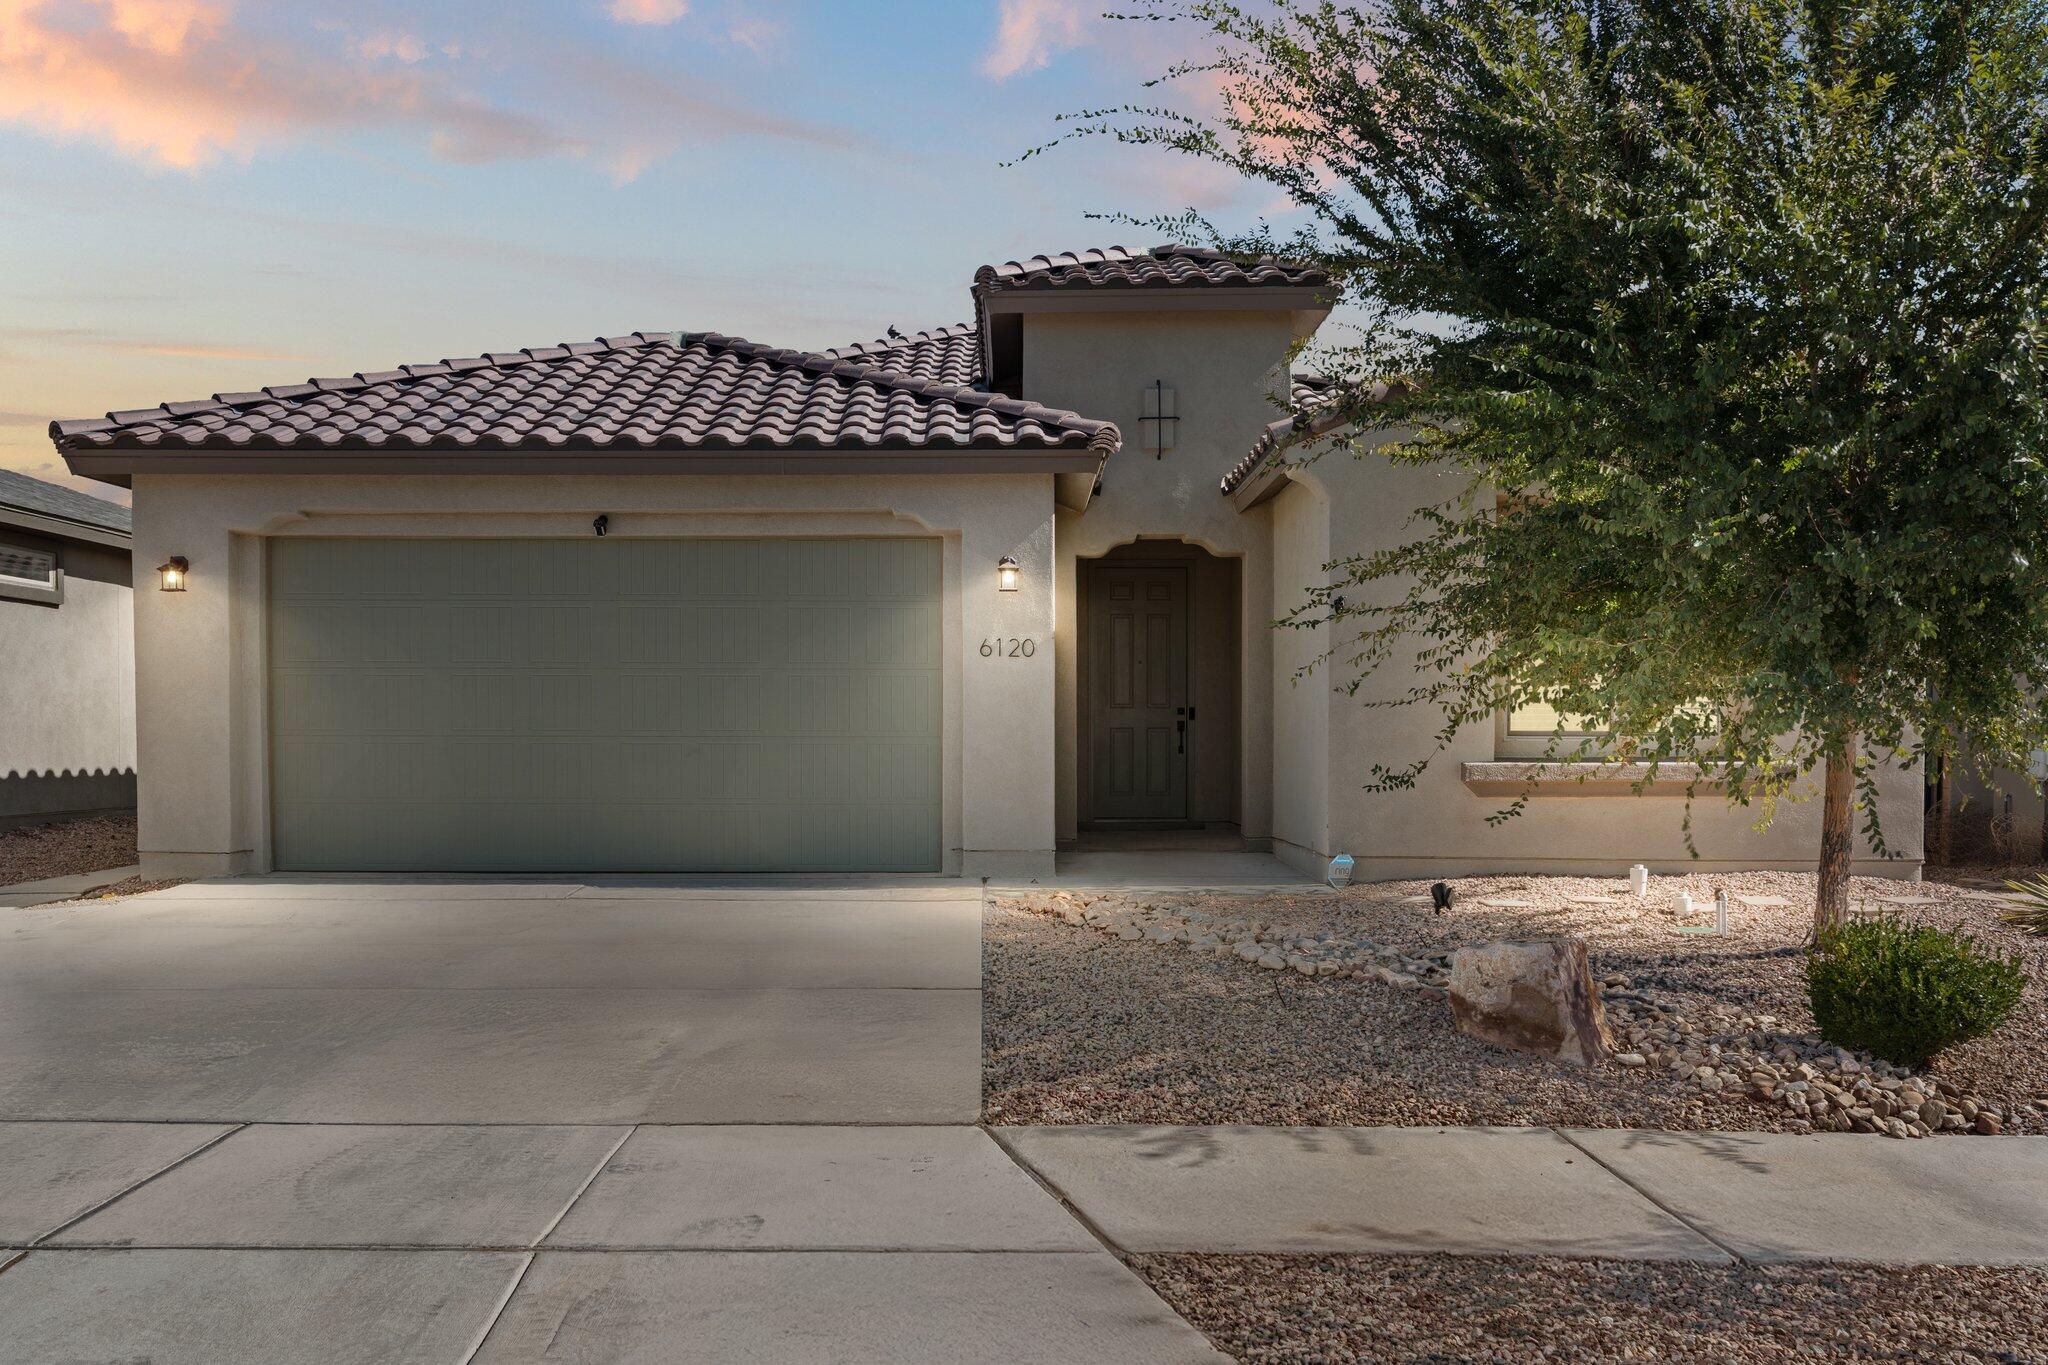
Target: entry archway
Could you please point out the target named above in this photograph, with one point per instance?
(1160, 661)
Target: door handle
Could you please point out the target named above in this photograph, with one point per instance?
(1180, 730)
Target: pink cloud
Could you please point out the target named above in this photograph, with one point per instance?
(1031, 32)
(182, 83)
(170, 82)
(648, 11)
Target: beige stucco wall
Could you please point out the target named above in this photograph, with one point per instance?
(68, 674)
(1223, 367)
(1301, 703)
(1440, 827)
(201, 681)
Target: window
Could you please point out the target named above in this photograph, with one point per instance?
(1529, 731)
(31, 569)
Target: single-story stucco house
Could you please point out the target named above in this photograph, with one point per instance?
(67, 654)
(938, 601)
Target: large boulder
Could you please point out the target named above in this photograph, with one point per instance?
(1531, 996)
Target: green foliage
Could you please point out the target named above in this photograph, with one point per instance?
(1739, 304)
(1905, 992)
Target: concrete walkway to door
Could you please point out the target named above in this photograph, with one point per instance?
(407, 1119)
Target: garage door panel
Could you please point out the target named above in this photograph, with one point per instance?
(901, 703)
(902, 636)
(606, 704)
(363, 633)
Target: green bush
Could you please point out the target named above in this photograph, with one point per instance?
(1905, 992)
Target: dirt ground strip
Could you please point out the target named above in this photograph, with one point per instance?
(1080, 1027)
(1269, 1309)
(30, 853)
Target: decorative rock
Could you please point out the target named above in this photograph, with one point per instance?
(1531, 996)
(1717, 1052)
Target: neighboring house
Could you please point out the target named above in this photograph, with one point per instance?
(939, 601)
(67, 654)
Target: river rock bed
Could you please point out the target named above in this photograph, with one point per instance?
(1494, 1310)
(1714, 1030)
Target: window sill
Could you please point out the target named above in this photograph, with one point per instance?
(1521, 777)
(16, 590)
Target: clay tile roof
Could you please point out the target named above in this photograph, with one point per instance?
(24, 494)
(950, 355)
(646, 389)
(1171, 266)
(1312, 399)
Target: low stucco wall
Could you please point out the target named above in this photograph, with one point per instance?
(67, 726)
(202, 727)
(1440, 826)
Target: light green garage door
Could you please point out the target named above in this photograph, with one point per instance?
(605, 704)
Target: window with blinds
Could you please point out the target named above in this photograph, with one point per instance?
(30, 571)
(28, 565)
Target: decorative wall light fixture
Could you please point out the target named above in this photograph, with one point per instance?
(1007, 570)
(170, 575)
(1159, 418)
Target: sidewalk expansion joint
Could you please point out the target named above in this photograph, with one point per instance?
(1654, 1201)
(37, 1243)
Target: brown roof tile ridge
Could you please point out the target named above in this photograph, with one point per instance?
(66, 428)
(1100, 434)
(1054, 260)
(895, 343)
(1318, 403)
(1067, 270)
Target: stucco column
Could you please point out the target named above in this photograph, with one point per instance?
(187, 793)
(1007, 697)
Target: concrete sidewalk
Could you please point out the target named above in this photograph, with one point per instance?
(447, 1244)
(1716, 1197)
(22, 895)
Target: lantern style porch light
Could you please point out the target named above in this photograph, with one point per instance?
(1007, 570)
(170, 575)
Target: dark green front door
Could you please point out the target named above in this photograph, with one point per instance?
(1138, 693)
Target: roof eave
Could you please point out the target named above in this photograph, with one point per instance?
(995, 301)
(1261, 485)
(42, 523)
(119, 465)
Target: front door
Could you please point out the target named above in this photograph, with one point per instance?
(1138, 692)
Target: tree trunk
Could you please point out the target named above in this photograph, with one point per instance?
(1831, 897)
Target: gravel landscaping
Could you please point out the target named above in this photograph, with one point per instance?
(30, 853)
(1087, 1020)
(1494, 1309)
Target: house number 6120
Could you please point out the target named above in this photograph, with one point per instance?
(1000, 648)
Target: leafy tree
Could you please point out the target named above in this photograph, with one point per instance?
(1737, 305)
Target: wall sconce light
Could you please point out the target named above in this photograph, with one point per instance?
(170, 575)
(1159, 418)
(1006, 574)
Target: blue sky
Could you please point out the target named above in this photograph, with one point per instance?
(208, 195)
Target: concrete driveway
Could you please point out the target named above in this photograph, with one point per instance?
(448, 1120)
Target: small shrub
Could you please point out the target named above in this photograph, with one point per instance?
(1905, 992)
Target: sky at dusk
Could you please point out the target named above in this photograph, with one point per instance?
(209, 195)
